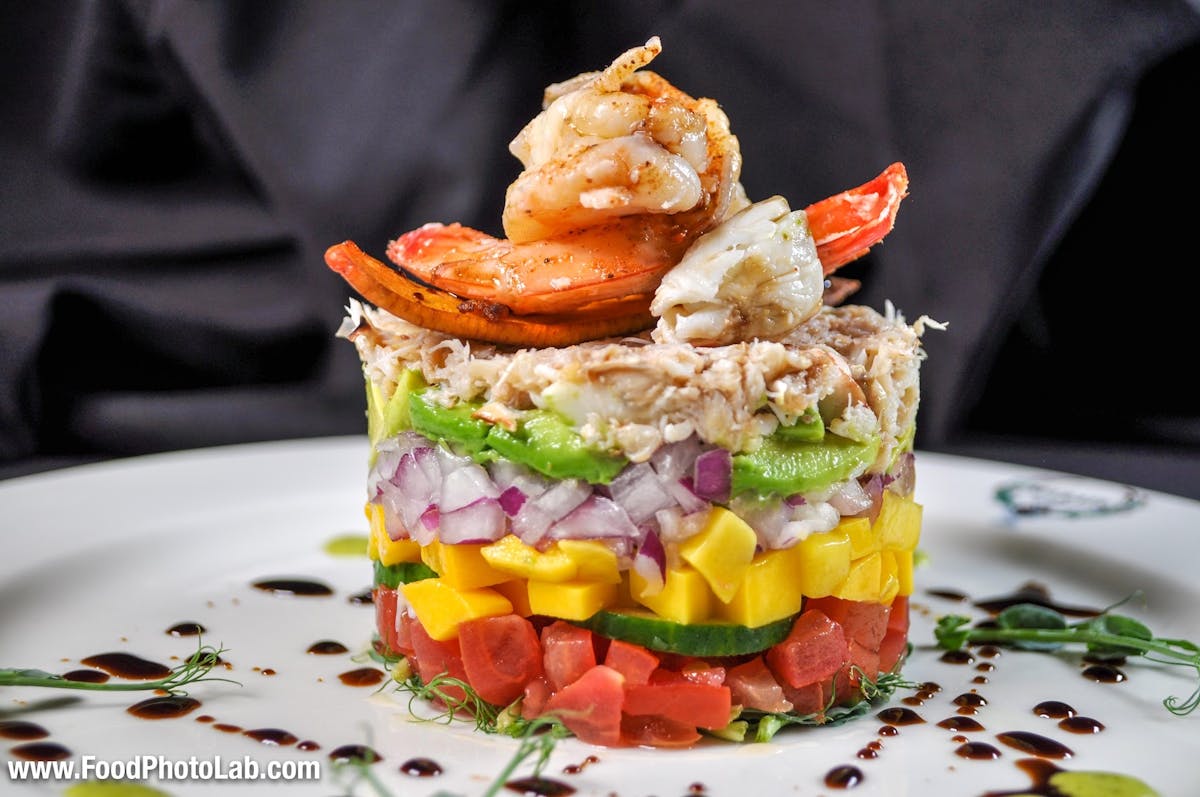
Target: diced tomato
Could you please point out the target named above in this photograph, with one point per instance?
(698, 672)
(895, 641)
(500, 655)
(861, 621)
(537, 692)
(694, 704)
(814, 650)
(657, 732)
(395, 635)
(863, 663)
(811, 699)
(590, 706)
(434, 658)
(632, 661)
(751, 685)
(567, 653)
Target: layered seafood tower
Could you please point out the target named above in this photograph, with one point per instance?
(629, 466)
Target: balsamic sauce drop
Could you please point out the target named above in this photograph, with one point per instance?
(19, 729)
(1081, 725)
(128, 666)
(361, 598)
(275, 736)
(421, 768)
(1035, 744)
(957, 657)
(947, 594)
(308, 745)
(86, 676)
(977, 751)
(293, 586)
(41, 751)
(843, 777)
(897, 715)
(165, 707)
(1104, 673)
(364, 676)
(327, 647)
(539, 787)
(1040, 772)
(1053, 709)
(225, 727)
(961, 725)
(575, 769)
(186, 629)
(355, 752)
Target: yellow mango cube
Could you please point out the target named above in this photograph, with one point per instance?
(864, 539)
(382, 547)
(899, 522)
(822, 562)
(510, 555)
(889, 576)
(721, 551)
(594, 561)
(462, 566)
(684, 598)
(570, 600)
(863, 581)
(441, 607)
(517, 592)
(904, 572)
(771, 590)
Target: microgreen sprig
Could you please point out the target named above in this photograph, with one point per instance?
(194, 670)
(1108, 635)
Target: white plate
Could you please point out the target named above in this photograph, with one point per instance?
(106, 558)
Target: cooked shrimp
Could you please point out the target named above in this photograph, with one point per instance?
(622, 143)
(624, 259)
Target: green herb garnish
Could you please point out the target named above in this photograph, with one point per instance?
(1108, 635)
(194, 670)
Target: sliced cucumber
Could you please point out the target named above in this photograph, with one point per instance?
(699, 639)
(392, 576)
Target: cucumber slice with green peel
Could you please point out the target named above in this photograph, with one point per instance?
(697, 639)
(392, 576)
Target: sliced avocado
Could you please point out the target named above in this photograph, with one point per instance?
(387, 416)
(808, 428)
(452, 424)
(700, 639)
(786, 467)
(545, 442)
(392, 576)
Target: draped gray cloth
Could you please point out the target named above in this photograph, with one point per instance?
(173, 171)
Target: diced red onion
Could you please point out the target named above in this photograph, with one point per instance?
(904, 474)
(675, 526)
(464, 486)
(874, 488)
(594, 518)
(531, 523)
(849, 498)
(651, 563)
(425, 530)
(675, 460)
(688, 501)
(713, 475)
(795, 499)
(638, 491)
(563, 497)
(411, 491)
(511, 500)
(482, 521)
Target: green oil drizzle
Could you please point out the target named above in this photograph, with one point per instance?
(347, 545)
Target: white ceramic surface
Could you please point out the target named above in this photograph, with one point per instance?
(107, 557)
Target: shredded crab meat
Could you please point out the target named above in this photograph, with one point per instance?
(634, 395)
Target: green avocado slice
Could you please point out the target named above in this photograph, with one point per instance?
(700, 639)
(781, 466)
